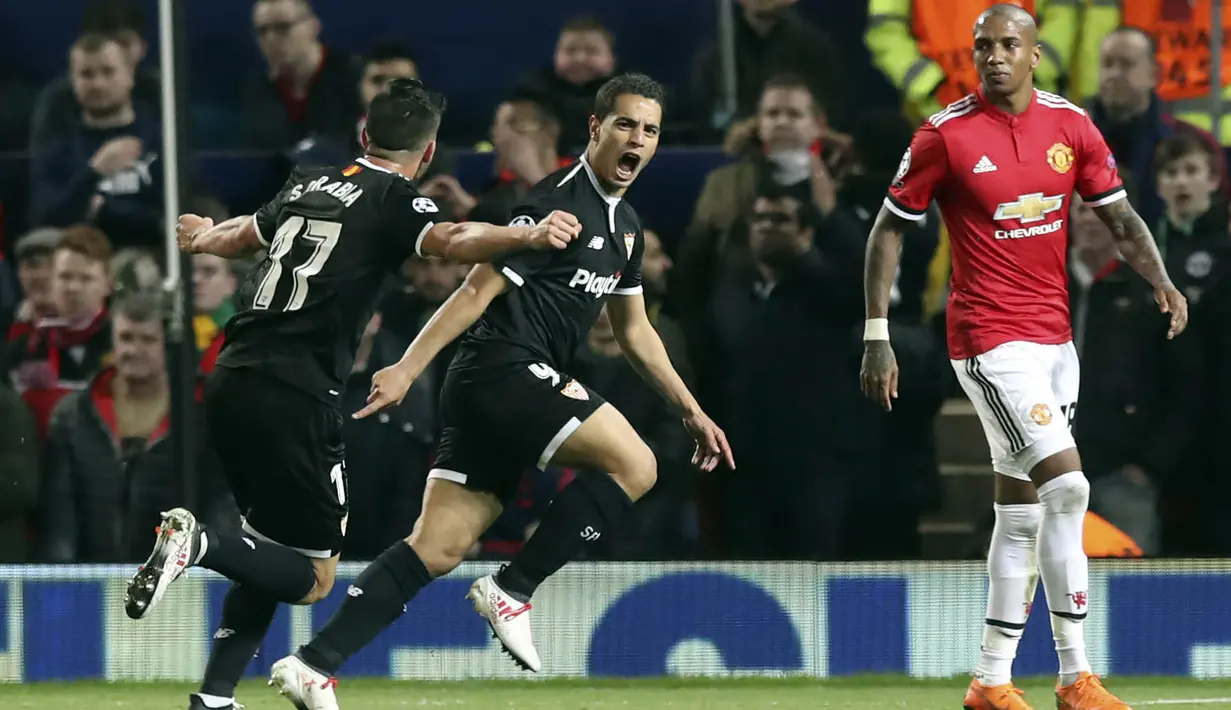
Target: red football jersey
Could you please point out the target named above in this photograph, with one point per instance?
(1003, 184)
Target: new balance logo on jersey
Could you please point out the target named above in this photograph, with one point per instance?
(591, 282)
(985, 165)
(596, 243)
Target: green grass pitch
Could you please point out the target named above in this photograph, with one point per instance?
(864, 693)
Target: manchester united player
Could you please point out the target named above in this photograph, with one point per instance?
(1003, 164)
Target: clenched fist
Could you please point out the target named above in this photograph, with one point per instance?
(555, 231)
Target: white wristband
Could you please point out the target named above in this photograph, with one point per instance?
(876, 329)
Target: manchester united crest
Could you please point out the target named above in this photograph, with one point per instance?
(1040, 414)
(1060, 158)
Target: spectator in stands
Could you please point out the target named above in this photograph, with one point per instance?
(655, 529)
(109, 459)
(1193, 240)
(61, 354)
(34, 252)
(525, 134)
(105, 168)
(214, 283)
(786, 144)
(386, 61)
(134, 270)
(1139, 403)
(584, 59)
(770, 39)
(19, 474)
(58, 108)
(780, 366)
(1133, 120)
(307, 89)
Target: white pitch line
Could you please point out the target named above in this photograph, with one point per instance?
(1190, 701)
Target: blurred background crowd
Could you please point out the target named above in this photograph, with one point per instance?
(785, 123)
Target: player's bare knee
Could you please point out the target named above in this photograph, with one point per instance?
(637, 472)
(439, 556)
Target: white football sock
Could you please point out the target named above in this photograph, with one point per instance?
(1065, 569)
(1012, 579)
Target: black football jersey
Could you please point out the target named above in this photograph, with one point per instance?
(333, 235)
(556, 295)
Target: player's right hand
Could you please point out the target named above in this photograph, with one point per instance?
(389, 387)
(878, 376)
(188, 227)
(1170, 300)
(555, 231)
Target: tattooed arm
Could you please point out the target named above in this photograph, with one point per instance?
(1137, 246)
(879, 374)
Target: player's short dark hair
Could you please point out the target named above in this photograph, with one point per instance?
(88, 241)
(113, 17)
(1140, 32)
(589, 23)
(138, 307)
(1181, 145)
(404, 116)
(387, 51)
(625, 84)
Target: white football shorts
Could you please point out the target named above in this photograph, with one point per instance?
(1026, 398)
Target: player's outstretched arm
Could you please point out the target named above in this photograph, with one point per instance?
(878, 375)
(468, 302)
(237, 237)
(644, 350)
(479, 242)
(1137, 246)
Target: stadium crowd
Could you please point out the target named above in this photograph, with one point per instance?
(758, 299)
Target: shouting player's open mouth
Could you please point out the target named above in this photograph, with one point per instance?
(626, 166)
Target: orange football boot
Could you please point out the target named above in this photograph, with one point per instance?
(996, 697)
(1087, 693)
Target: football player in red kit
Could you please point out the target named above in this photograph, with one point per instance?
(1003, 164)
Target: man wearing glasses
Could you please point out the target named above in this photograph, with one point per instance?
(308, 89)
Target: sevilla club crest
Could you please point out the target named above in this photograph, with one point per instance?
(630, 240)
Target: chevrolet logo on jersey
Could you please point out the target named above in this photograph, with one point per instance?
(1029, 208)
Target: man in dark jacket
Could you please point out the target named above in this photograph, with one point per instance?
(307, 88)
(106, 168)
(1133, 120)
(57, 107)
(779, 366)
(109, 463)
(584, 59)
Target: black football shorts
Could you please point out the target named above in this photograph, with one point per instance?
(501, 422)
(282, 453)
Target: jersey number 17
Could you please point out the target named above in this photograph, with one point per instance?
(319, 237)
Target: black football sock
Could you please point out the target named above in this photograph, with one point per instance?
(380, 596)
(579, 515)
(246, 615)
(280, 572)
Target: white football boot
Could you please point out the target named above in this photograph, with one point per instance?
(176, 548)
(509, 619)
(305, 687)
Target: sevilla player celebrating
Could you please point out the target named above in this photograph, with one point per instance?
(1003, 164)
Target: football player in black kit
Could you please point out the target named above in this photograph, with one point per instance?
(272, 404)
(507, 403)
